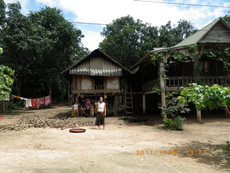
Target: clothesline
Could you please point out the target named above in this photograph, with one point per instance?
(35, 102)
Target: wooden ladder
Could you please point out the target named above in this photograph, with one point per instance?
(129, 103)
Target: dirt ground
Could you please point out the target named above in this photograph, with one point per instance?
(114, 150)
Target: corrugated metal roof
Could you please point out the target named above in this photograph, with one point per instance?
(96, 66)
(192, 40)
(97, 63)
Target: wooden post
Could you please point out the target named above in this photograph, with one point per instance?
(3, 107)
(69, 94)
(162, 84)
(196, 70)
(144, 103)
(198, 115)
(50, 91)
(115, 105)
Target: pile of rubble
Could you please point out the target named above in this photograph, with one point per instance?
(25, 122)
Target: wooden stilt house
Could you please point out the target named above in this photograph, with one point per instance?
(200, 67)
(97, 75)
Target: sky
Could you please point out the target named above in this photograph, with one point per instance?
(105, 11)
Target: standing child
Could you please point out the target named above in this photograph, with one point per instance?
(75, 109)
(91, 110)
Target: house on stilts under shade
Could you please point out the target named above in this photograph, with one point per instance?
(142, 89)
(97, 75)
(149, 93)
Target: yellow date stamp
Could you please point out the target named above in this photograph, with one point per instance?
(171, 152)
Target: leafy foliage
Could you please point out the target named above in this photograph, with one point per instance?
(6, 81)
(221, 54)
(38, 47)
(15, 105)
(128, 40)
(226, 147)
(206, 97)
(169, 124)
(179, 121)
(176, 124)
(173, 108)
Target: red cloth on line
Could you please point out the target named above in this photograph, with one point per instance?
(38, 103)
(34, 103)
(42, 101)
(47, 100)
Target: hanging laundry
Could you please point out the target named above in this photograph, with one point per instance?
(42, 101)
(47, 100)
(38, 103)
(34, 103)
(28, 103)
(15, 97)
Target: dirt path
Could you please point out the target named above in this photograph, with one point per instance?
(113, 150)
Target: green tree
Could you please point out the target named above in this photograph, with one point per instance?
(39, 46)
(64, 45)
(227, 18)
(14, 38)
(170, 35)
(6, 80)
(2, 11)
(127, 40)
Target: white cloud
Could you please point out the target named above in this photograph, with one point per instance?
(104, 11)
(91, 39)
(51, 3)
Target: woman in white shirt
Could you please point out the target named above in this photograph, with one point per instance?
(101, 113)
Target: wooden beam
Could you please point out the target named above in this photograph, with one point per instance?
(115, 106)
(144, 104)
(86, 91)
(162, 84)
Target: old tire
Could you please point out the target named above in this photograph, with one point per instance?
(77, 130)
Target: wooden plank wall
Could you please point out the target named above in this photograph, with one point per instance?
(218, 34)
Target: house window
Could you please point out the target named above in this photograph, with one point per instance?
(99, 83)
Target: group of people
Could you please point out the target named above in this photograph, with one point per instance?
(100, 110)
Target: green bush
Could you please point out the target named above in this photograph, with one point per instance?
(226, 147)
(174, 124)
(173, 108)
(15, 105)
(179, 121)
(169, 124)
